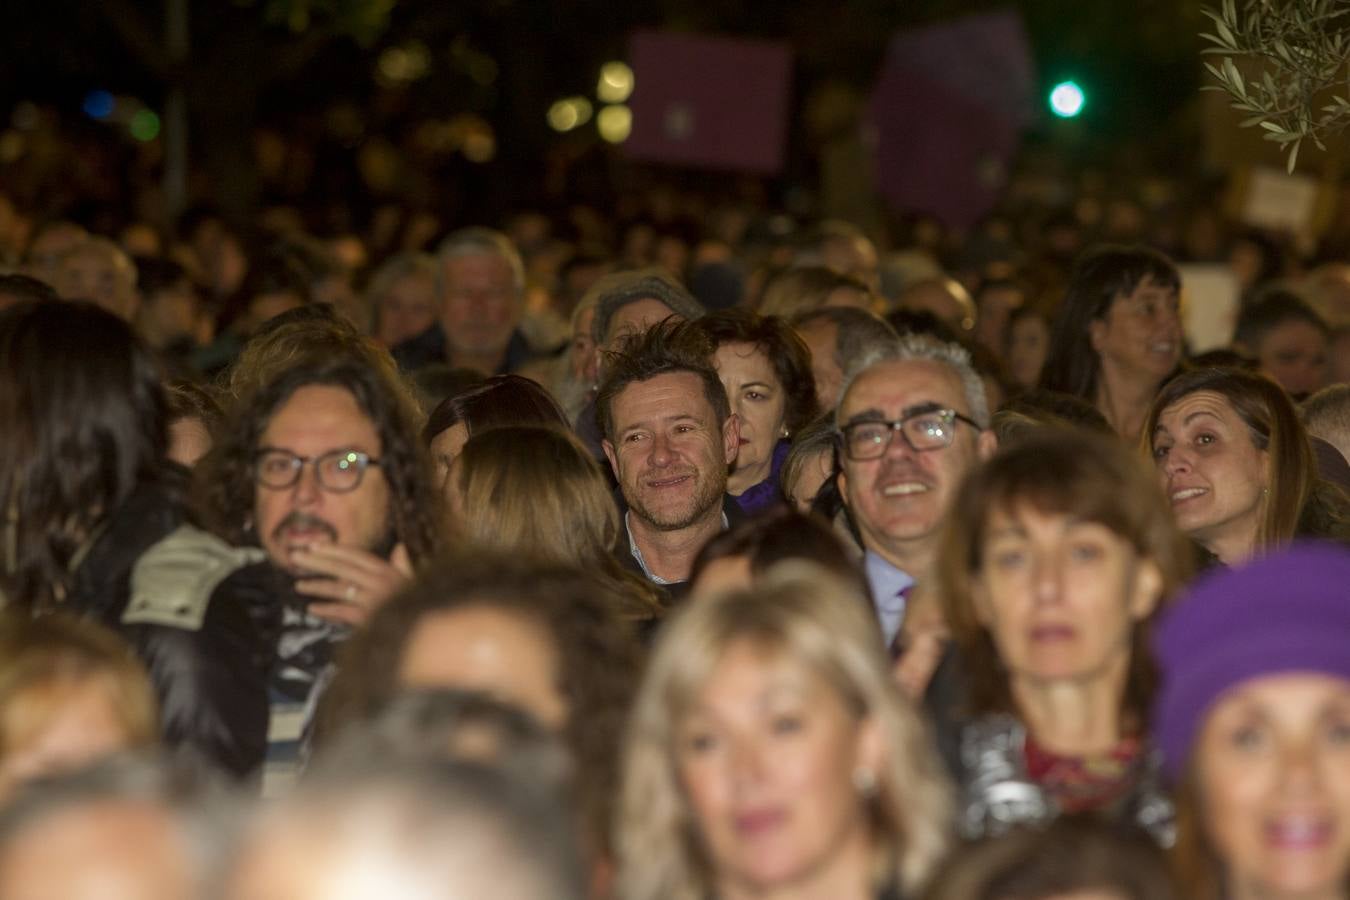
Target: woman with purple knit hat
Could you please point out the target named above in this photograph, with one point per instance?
(1254, 724)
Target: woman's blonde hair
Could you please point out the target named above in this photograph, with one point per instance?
(535, 489)
(41, 659)
(800, 612)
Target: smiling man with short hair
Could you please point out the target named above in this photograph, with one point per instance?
(670, 438)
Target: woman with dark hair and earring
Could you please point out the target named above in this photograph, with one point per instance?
(1237, 467)
(1117, 334)
(766, 370)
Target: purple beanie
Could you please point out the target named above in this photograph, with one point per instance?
(1285, 612)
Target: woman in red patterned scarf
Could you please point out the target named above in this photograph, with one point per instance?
(1059, 552)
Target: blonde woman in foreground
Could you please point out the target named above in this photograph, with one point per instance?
(770, 755)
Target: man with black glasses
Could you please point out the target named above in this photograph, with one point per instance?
(911, 421)
(317, 501)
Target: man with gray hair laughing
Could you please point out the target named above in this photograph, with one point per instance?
(912, 420)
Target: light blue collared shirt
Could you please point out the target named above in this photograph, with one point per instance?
(642, 563)
(887, 582)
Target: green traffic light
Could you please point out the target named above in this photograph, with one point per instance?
(1067, 100)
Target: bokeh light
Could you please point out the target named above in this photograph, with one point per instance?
(403, 65)
(615, 123)
(144, 125)
(569, 113)
(12, 145)
(1067, 99)
(479, 146)
(26, 116)
(99, 104)
(616, 83)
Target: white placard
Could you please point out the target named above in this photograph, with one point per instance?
(1209, 305)
(1278, 201)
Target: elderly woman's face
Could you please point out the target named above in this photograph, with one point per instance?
(1060, 595)
(1214, 475)
(759, 400)
(767, 756)
(1273, 763)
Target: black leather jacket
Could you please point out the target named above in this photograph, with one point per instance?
(208, 656)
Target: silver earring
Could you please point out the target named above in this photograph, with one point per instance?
(865, 783)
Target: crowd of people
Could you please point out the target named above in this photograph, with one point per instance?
(749, 562)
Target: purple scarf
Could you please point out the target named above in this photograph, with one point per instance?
(759, 497)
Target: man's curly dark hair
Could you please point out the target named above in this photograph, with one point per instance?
(224, 489)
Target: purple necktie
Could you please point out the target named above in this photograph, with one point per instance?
(897, 644)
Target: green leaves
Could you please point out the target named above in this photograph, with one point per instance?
(1297, 57)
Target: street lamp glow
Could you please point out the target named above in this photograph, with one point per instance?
(1067, 99)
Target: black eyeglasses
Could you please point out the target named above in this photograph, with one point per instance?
(338, 471)
(930, 429)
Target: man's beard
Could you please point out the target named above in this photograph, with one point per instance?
(710, 492)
